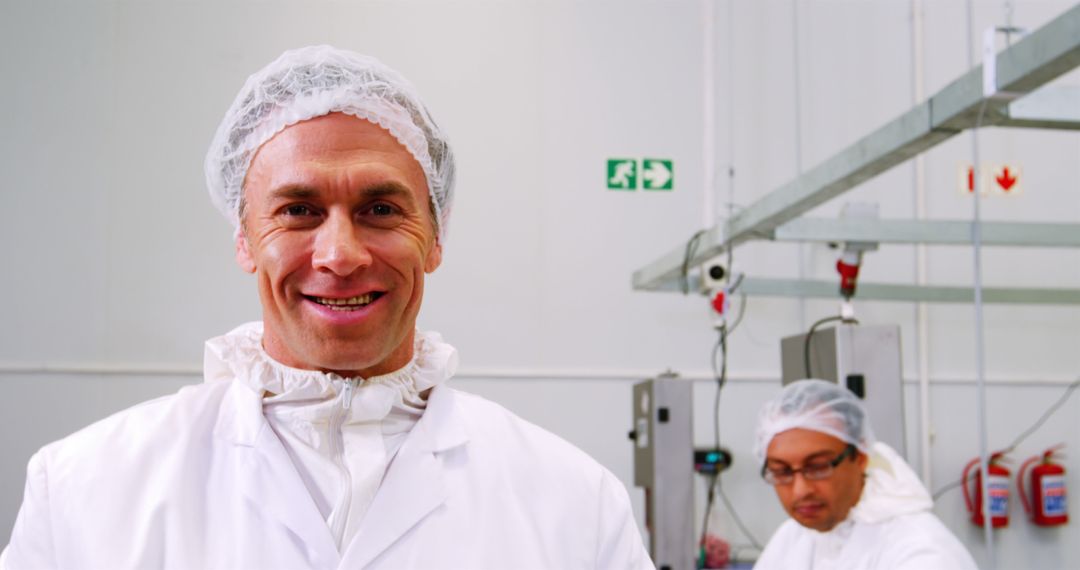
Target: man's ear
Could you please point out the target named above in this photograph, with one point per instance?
(434, 258)
(243, 253)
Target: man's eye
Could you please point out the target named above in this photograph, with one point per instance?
(383, 215)
(816, 467)
(781, 473)
(382, 210)
(297, 210)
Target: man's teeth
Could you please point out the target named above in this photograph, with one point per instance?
(350, 304)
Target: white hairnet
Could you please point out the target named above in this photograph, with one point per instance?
(815, 405)
(313, 81)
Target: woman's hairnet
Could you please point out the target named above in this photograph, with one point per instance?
(816, 405)
(313, 81)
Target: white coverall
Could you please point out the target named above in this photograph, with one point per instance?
(890, 528)
(264, 466)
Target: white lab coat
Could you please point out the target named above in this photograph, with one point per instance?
(890, 528)
(198, 480)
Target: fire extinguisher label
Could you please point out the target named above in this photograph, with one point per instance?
(1053, 495)
(999, 496)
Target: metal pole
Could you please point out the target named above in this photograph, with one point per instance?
(980, 372)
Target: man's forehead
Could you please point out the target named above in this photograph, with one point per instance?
(798, 444)
(339, 132)
(301, 155)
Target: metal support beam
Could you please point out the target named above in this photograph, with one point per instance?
(1040, 57)
(940, 232)
(665, 274)
(1052, 107)
(765, 287)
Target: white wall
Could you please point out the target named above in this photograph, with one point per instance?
(113, 257)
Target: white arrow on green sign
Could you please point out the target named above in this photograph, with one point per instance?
(657, 174)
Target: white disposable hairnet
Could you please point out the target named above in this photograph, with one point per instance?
(816, 405)
(313, 81)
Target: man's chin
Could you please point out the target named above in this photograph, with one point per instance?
(347, 351)
(348, 366)
(816, 525)
(815, 521)
(329, 354)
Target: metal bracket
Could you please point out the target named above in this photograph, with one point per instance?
(1022, 68)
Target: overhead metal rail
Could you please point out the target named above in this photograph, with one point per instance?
(1027, 65)
(938, 232)
(767, 287)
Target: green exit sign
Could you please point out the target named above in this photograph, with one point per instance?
(657, 174)
(653, 173)
(622, 174)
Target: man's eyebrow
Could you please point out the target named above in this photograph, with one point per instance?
(302, 192)
(821, 453)
(293, 192)
(386, 189)
(810, 457)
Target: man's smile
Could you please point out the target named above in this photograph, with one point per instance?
(347, 303)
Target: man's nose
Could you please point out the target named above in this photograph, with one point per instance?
(339, 247)
(800, 486)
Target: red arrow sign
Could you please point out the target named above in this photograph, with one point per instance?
(1002, 179)
(1005, 180)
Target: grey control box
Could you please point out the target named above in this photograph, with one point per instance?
(866, 359)
(663, 465)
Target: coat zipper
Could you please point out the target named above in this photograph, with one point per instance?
(340, 415)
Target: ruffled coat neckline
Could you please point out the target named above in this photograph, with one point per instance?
(239, 354)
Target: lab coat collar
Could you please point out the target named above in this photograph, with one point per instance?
(415, 483)
(892, 488)
(240, 354)
(442, 424)
(240, 421)
(274, 488)
(267, 477)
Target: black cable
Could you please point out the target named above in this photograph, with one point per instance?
(738, 521)
(688, 254)
(721, 378)
(1019, 439)
(953, 485)
(705, 520)
(739, 315)
(810, 335)
(731, 290)
(720, 374)
(1046, 415)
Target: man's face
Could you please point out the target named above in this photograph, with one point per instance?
(823, 504)
(337, 230)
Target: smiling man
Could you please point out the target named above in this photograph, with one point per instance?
(324, 435)
(854, 503)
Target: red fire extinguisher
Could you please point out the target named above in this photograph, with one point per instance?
(1046, 506)
(999, 492)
